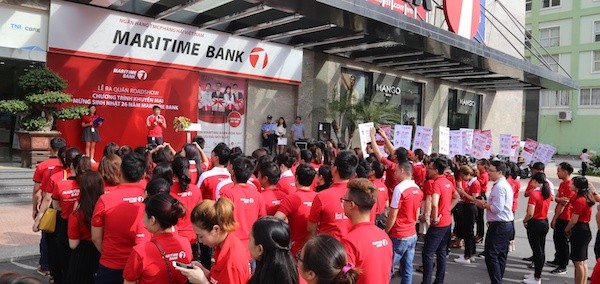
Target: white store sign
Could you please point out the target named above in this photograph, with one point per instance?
(23, 28)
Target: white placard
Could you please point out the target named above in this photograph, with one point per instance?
(402, 136)
(444, 140)
(487, 150)
(515, 147)
(97, 32)
(467, 140)
(23, 28)
(479, 142)
(506, 145)
(364, 132)
(423, 139)
(528, 150)
(543, 153)
(456, 145)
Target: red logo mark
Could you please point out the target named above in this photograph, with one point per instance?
(235, 119)
(463, 16)
(259, 58)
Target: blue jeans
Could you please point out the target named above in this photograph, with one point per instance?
(44, 253)
(404, 253)
(496, 249)
(436, 242)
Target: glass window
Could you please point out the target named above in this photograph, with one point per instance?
(550, 37)
(550, 61)
(589, 97)
(551, 98)
(463, 109)
(550, 3)
(527, 5)
(528, 37)
(596, 30)
(596, 61)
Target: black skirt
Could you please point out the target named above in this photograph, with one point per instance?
(84, 263)
(89, 135)
(580, 239)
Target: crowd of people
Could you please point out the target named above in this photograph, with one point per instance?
(154, 214)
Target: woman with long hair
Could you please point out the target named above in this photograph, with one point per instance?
(85, 256)
(110, 170)
(469, 189)
(192, 153)
(270, 246)
(90, 133)
(189, 195)
(151, 262)
(323, 260)
(164, 171)
(281, 132)
(578, 228)
(536, 223)
(324, 178)
(214, 224)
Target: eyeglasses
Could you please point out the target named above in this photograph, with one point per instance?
(491, 171)
(345, 200)
(298, 258)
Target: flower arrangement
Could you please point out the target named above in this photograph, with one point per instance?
(181, 123)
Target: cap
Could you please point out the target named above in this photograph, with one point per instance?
(269, 116)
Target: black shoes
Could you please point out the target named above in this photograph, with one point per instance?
(559, 271)
(552, 263)
(528, 258)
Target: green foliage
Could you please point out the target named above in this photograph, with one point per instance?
(14, 106)
(49, 98)
(181, 123)
(73, 112)
(34, 123)
(379, 113)
(41, 80)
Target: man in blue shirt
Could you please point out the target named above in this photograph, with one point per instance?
(298, 129)
(267, 130)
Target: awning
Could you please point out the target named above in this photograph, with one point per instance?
(340, 27)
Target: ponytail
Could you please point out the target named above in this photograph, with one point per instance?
(540, 178)
(165, 209)
(210, 213)
(348, 275)
(181, 169)
(583, 189)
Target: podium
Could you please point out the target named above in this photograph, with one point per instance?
(194, 127)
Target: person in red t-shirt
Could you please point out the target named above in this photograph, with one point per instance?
(209, 180)
(84, 258)
(295, 207)
(323, 259)
(578, 228)
(401, 221)
(368, 247)
(268, 176)
(192, 153)
(155, 123)
(110, 169)
(326, 214)
(562, 216)
(249, 204)
(390, 163)
(469, 189)
(483, 178)
(287, 181)
(443, 198)
(116, 220)
(419, 171)
(536, 223)
(214, 224)
(151, 262)
(90, 133)
(376, 177)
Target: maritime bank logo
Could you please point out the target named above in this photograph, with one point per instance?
(259, 58)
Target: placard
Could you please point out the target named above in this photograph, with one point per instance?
(456, 143)
(444, 140)
(467, 140)
(543, 153)
(506, 145)
(515, 147)
(479, 142)
(402, 136)
(528, 150)
(364, 132)
(423, 139)
(387, 129)
(487, 149)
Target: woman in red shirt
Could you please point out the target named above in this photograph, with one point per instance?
(191, 152)
(187, 193)
(85, 256)
(536, 223)
(214, 224)
(469, 189)
(483, 178)
(110, 170)
(578, 228)
(151, 262)
(323, 260)
(90, 131)
(515, 183)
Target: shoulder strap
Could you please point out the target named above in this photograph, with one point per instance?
(164, 257)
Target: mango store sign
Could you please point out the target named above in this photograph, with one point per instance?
(95, 32)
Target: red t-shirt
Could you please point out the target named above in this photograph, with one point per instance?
(255, 182)
(231, 262)
(210, 179)
(419, 173)
(370, 249)
(407, 198)
(190, 198)
(193, 172)
(296, 207)
(516, 187)
(315, 166)
(541, 205)
(65, 189)
(442, 186)
(120, 214)
(146, 264)
(46, 185)
(249, 206)
(77, 230)
(44, 166)
(272, 199)
(287, 182)
(155, 130)
(327, 211)
(88, 118)
(564, 190)
(483, 179)
(471, 187)
(382, 196)
(390, 178)
(581, 208)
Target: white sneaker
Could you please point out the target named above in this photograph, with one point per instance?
(462, 260)
(528, 276)
(532, 281)
(512, 246)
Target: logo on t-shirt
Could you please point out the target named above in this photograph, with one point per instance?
(137, 199)
(381, 243)
(307, 203)
(175, 255)
(185, 194)
(247, 200)
(276, 202)
(340, 216)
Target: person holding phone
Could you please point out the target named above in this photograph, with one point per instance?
(90, 123)
(151, 262)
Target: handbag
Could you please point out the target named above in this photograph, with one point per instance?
(164, 257)
(48, 221)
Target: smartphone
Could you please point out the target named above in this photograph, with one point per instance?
(182, 265)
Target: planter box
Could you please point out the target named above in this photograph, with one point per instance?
(35, 146)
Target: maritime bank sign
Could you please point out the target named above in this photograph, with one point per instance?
(95, 32)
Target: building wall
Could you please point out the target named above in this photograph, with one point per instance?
(575, 54)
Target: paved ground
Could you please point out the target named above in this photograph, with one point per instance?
(18, 247)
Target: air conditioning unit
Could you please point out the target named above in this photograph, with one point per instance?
(565, 115)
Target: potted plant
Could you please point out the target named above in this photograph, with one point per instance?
(43, 103)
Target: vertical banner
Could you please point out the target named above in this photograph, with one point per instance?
(543, 153)
(444, 141)
(423, 139)
(222, 110)
(364, 132)
(479, 141)
(387, 129)
(515, 145)
(456, 143)
(467, 140)
(402, 136)
(528, 150)
(506, 145)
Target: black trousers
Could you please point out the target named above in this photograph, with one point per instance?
(64, 251)
(496, 249)
(53, 259)
(584, 167)
(536, 234)
(469, 215)
(270, 142)
(561, 244)
(480, 222)
(597, 245)
(84, 263)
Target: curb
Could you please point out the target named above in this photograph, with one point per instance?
(19, 258)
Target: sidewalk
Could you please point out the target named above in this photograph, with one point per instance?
(17, 240)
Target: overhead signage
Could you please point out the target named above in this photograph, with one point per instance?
(463, 16)
(23, 28)
(466, 102)
(416, 9)
(99, 33)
